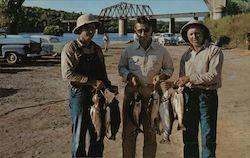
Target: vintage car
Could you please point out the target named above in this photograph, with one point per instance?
(167, 39)
(51, 44)
(179, 39)
(14, 48)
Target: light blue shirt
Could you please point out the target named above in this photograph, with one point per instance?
(145, 64)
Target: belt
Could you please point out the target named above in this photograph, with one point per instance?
(199, 90)
(80, 86)
(147, 85)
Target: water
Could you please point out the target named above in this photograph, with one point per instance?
(114, 37)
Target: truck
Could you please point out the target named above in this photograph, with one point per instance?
(15, 48)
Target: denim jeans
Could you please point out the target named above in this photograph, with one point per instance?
(80, 100)
(201, 106)
(129, 134)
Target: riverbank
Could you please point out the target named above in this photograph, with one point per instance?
(34, 116)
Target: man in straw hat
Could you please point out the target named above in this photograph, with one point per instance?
(200, 74)
(83, 66)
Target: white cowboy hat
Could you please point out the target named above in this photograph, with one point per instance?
(186, 27)
(83, 20)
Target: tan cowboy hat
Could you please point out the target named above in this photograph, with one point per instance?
(185, 28)
(83, 20)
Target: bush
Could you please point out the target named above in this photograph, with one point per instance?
(231, 30)
(53, 30)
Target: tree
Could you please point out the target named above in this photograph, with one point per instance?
(235, 7)
(10, 13)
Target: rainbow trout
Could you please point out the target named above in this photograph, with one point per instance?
(177, 101)
(95, 115)
(166, 114)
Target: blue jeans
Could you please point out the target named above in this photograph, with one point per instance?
(200, 106)
(80, 100)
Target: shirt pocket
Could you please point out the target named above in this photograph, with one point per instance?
(135, 62)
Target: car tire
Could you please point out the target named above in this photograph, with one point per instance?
(12, 58)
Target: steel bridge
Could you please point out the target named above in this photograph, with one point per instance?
(127, 11)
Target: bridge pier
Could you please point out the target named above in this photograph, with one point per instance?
(123, 26)
(217, 13)
(171, 25)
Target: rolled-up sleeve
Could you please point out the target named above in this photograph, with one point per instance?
(69, 65)
(123, 65)
(213, 75)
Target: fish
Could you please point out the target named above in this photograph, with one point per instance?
(115, 117)
(166, 115)
(177, 101)
(153, 111)
(108, 122)
(95, 115)
(135, 111)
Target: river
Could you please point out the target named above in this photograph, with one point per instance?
(114, 37)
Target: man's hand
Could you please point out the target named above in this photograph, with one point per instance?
(182, 81)
(99, 85)
(165, 85)
(160, 77)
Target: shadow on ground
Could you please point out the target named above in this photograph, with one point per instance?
(5, 92)
(43, 61)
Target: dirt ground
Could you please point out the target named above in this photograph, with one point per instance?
(34, 116)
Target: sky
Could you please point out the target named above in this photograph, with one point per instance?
(95, 6)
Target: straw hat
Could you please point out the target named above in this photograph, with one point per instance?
(83, 20)
(186, 27)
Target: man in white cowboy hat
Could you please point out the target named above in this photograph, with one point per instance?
(200, 74)
(83, 67)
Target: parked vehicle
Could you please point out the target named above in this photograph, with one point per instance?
(14, 48)
(179, 39)
(51, 44)
(167, 39)
(156, 36)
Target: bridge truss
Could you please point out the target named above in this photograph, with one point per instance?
(125, 10)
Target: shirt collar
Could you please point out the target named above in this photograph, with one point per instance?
(204, 46)
(81, 44)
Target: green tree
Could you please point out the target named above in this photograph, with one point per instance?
(10, 12)
(235, 7)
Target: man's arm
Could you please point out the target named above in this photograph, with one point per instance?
(69, 65)
(167, 67)
(123, 65)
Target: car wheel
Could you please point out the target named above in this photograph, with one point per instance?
(12, 58)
